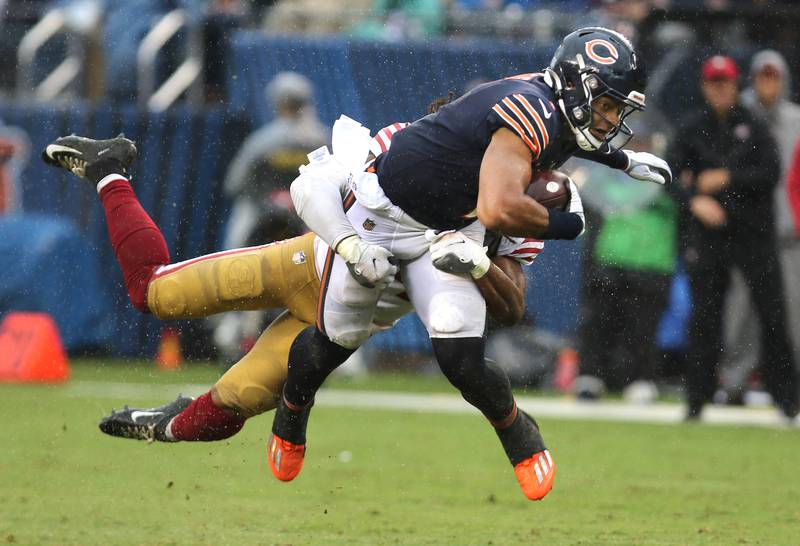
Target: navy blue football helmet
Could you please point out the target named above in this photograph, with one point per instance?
(590, 63)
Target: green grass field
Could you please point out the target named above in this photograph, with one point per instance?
(381, 477)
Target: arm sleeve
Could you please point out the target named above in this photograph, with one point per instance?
(522, 250)
(318, 195)
(793, 187)
(759, 170)
(383, 138)
(679, 158)
(523, 114)
(616, 159)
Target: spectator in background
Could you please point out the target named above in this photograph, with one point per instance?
(523, 4)
(258, 181)
(727, 167)
(767, 99)
(313, 16)
(397, 20)
(629, 260)
(259, 175)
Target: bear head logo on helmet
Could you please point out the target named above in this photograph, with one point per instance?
(591, 63)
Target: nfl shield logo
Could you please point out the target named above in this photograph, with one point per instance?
(368, 224)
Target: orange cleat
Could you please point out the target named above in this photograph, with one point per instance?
(536, 475)
(285, 458)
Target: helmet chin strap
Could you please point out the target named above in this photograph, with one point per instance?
(583, 138)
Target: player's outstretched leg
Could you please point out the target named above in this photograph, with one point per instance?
(138, 244)
(144, 424)
(185, 419)
(85, 156)
(532, 462)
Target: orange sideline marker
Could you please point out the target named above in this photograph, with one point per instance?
(31, 349)
(169, 356)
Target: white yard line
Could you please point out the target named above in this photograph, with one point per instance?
(560, 408)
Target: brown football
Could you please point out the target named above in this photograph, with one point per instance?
(550, 188)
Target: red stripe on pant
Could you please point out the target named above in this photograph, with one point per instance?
(323, 290)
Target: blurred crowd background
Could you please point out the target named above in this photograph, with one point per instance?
(225, 98)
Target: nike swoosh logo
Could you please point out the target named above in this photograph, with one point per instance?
(547, 112)
(136, 414)
(104, 150)
(53, 149)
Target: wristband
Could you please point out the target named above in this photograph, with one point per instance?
(481, 268)
(563, 225)
(347, 248)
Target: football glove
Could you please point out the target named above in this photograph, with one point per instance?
(453, 252)
(647, 167)
(371, 265)
(575, 204)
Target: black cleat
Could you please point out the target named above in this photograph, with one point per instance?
(144, 424)
(79, 154)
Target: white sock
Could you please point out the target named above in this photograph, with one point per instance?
(168, 429)
(108, 179)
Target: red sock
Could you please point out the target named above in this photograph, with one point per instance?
(138, 243)
(204, 421)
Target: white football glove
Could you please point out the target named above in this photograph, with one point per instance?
(647, 167)
(576, 205)
(371, 265)
(453, 252)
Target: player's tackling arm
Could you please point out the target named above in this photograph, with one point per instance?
(503, 288)
(500, 279)
(317, 195)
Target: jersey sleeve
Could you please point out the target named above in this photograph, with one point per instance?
(383, 138)
(526, 115)
(522, 250)
(793, 187)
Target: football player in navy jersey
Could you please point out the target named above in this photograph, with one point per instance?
(446, 179)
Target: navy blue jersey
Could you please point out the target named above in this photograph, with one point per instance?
(431, 170)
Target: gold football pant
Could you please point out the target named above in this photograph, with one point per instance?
(273, 276)
(254, 384)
